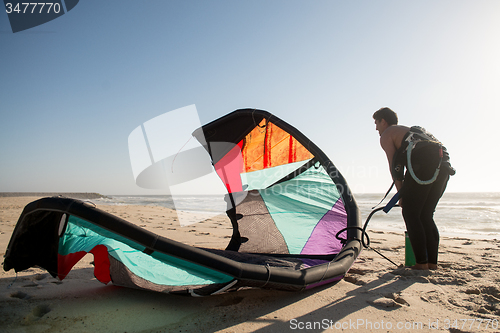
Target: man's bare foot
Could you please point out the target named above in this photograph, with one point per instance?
(433, 266)
(420, 266)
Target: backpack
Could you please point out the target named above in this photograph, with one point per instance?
(423, 156)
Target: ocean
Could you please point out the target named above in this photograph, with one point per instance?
(468, 215)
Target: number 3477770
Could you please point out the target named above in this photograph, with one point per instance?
(33, 7)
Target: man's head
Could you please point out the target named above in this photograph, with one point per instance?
(387, 114)
(384, 118)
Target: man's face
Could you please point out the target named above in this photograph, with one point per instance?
(380, 126)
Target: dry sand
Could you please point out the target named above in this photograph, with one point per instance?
(463, 295)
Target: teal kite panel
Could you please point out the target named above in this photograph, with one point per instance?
(158, 268)
(260, 179)
(297, 205)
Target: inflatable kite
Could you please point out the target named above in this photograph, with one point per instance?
(295, 222)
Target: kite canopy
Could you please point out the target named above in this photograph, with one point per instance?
(286, 202)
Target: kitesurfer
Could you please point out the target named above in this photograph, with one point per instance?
(418, 200)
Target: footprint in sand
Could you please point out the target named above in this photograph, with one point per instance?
(231, 301)
(39, 277)
(41, 310)
(408, 272)
(20, 295)
(355, 276)
(491, 293)
(357, 271)
(445, 264)
(389, 301)
(449, 280)
(351, 279)
(396, 297)
(432, 296)
(488, 255)
(473, 291)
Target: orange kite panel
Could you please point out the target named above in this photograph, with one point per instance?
(267, 146)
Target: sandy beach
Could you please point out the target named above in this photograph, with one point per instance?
(463, 295)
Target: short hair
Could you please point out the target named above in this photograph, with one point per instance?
(387, 114)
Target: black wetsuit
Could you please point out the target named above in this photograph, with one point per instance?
(419, 201)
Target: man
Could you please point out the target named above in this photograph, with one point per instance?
(418, 198)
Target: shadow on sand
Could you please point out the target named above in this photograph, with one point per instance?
(39, 303)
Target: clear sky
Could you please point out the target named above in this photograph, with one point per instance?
(73, 89)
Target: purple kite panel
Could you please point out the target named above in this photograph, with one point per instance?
(323, 240)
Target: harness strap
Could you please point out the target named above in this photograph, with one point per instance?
(411, 145)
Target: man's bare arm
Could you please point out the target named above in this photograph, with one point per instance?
(387, 143)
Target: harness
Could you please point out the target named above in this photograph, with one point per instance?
(436, 153)
(403, 156)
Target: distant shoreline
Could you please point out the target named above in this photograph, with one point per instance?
(75, 195)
